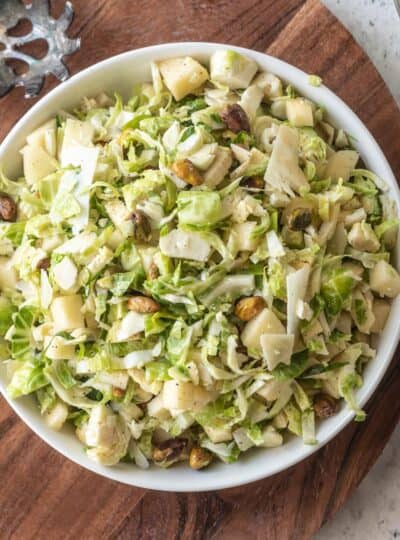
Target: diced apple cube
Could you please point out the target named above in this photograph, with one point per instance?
(45, 137)
(232, 69)
(182, 75)
(266, 322)
(37, 163)
(299, 112)
(66, 313)
(218, 434)
(179, 395)
(56, 417)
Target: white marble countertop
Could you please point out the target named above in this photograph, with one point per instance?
(375, 24)
(373, 512)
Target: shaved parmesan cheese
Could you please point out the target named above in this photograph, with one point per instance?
(241, 209)
(256, 160)
(279, 199)
(277, 349)
(115, 239)
(340, 164)
(219, 168)
(131, 324)
(236, 285)
(77, 245)
(76, 133)
(65, 274)
(354, 217)
(275, 246)
(296, 285)
(46, 290)
(283, 171)
(185, 245)
(85, 161)
(137, 359)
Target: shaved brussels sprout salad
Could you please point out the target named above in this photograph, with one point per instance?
(194, 272)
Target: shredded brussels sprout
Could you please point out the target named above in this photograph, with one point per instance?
(198, 271)
(314, 80)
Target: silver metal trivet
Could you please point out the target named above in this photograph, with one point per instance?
(43, 27)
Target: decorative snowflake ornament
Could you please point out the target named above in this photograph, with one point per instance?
(43, 27)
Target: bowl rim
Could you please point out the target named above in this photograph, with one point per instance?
(225, 480)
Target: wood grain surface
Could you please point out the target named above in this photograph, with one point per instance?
(43, 495)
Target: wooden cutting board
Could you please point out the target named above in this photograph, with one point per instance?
(43, 495)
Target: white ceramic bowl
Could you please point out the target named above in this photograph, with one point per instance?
(119, 74)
